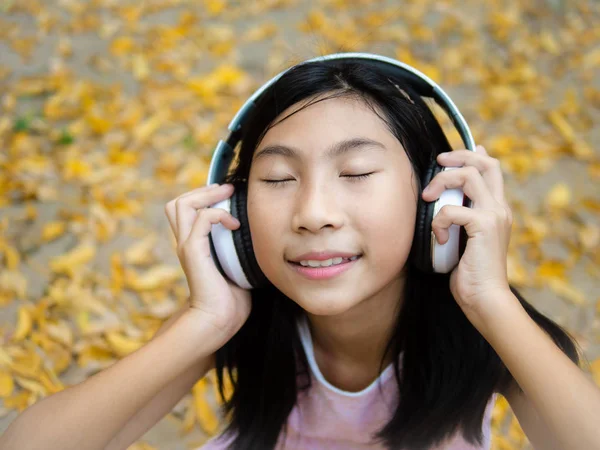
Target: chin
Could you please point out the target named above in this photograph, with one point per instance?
(325, 305)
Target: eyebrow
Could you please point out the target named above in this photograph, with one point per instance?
(339, 148)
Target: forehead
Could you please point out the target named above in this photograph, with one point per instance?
(326, 128)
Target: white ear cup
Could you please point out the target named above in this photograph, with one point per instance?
(445, 257)
(225, 249)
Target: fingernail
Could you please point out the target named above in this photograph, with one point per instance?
(213, 185)
(427, 189)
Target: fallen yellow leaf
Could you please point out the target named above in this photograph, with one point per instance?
(19, 401)
(11, 255)
(567, 291)
(559, 196)
(53, 230)
(207, 418)
(155, 278)
(122, 345)
(24, 324)
(77, 257)
(7, 385)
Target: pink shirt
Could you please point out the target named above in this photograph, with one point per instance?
(326, 417)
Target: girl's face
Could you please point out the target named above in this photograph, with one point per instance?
(321, 208)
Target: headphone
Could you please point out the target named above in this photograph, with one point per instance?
(232, 251)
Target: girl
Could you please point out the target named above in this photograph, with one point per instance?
(371, 353)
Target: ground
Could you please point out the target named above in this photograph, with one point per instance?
(110, 109)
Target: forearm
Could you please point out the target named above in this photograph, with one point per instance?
(566, 400)
(88, 415)
(163, 402)
(157, 408)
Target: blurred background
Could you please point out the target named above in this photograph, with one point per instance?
(109, 109)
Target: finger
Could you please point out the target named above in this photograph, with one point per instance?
(467, 178)
(170, 212)
(203, 225)
(201, 189)
(489, 168)
(481, 149)
(456, 215)
(187, 207)
(170, 209)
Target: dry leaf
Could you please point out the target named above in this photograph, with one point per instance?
(559, 196)
(108, 156)
(122, 345)
(79, 256)
(7, 385)
(207, 418)
(53, 230)
(141, 252)
(155, 278)
(24, 324)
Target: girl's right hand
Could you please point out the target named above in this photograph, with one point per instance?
(225, 305)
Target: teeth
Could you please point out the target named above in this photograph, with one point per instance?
(327, 262)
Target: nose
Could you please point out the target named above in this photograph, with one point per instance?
(316, 207)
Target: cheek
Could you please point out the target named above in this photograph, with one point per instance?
(263, 226)
(391, 232)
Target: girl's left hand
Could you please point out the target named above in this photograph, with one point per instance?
(481, 273)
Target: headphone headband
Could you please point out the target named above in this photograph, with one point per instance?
(420, 82)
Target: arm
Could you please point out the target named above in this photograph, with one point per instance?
(567, 402)
(537, 432)
(164, 401)
(89, 415)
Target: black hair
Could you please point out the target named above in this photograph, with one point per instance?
(449, 371)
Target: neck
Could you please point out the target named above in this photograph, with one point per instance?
(349, 347)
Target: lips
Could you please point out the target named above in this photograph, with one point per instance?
(324, 273)
(343, 259)
(324, 255)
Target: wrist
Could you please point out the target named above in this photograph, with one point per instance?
(497, 310)
(203, 331)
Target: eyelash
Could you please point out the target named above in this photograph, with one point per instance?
(353, 178)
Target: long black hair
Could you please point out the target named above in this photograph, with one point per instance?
(449, 371)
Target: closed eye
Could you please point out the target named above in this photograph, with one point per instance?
(358, 177)
(353, 178)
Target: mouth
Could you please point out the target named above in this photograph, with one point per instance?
(325, 272)
(325, 263)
